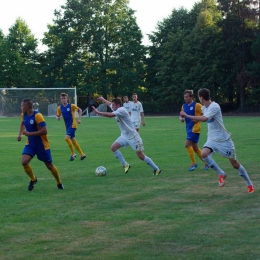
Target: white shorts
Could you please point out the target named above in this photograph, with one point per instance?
(136, 143)
(136, 124)
(225, 148)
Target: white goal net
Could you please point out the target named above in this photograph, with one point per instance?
(45, 100)
(52, 109)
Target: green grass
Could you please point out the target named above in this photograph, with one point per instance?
(176, 215)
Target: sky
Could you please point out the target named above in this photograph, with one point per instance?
(38, 13)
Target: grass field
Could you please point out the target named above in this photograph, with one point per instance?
(136, 216)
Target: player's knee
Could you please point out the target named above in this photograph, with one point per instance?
(50, 166)
(235, 164)
(140, 154)
(204, 155)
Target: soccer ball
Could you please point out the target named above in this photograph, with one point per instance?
(101, 171)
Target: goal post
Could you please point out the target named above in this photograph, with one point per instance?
(45, 100)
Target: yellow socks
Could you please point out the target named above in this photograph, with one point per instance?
(29, 172)
(198, 152)
(67, 139)
(191, 154)
(54, 171)
(76, 145)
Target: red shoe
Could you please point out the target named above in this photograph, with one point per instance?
(222, 180)
(250, 189)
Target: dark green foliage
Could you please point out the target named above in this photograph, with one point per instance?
(18, 52)
(209, 46)
(99, 43)
(96, 47)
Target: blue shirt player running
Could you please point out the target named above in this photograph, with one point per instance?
(192, 128)
(34, 127)
(67, 111)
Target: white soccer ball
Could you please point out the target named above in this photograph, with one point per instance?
(101, 171)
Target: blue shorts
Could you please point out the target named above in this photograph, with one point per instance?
(42, 155)
(71, 132)
(193, 137)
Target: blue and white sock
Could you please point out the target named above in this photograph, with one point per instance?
(213, 165)
(150, 162)
(120, 157)
(242, 172)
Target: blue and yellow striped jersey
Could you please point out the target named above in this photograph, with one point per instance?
(68, 114)
(193, 109)
(34, 123)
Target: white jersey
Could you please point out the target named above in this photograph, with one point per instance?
(124, 122)
(127, 105)
(216, 130)
(136, 109)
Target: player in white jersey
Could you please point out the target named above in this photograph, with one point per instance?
(127, 103)
(129, 136)
(136, 112)
(218, 140)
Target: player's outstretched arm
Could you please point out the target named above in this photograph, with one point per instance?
(108, 103)
(197, 118)
(106, 114)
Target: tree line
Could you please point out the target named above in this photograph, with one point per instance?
(96, 46)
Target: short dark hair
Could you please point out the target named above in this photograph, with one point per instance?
(205, 93)
(189, 91)
(117, 101)
(28, 102)
(64, 95)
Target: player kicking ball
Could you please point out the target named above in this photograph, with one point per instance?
(129, 136)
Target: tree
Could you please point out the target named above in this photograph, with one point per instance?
(253, 71)
(184, 51)
(3, 74)
(206, 47)
(238, 26)
(96, 46)
(21, 66)
(162, 63)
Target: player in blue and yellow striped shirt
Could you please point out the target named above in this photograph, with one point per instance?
(34, 127)
(192, 128)
(67, 111)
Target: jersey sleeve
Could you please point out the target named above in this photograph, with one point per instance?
(40, 120)
(22, 116)
(121, 112)
(211, 111)
(198, 111)
(58, 113)
(74, 107)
